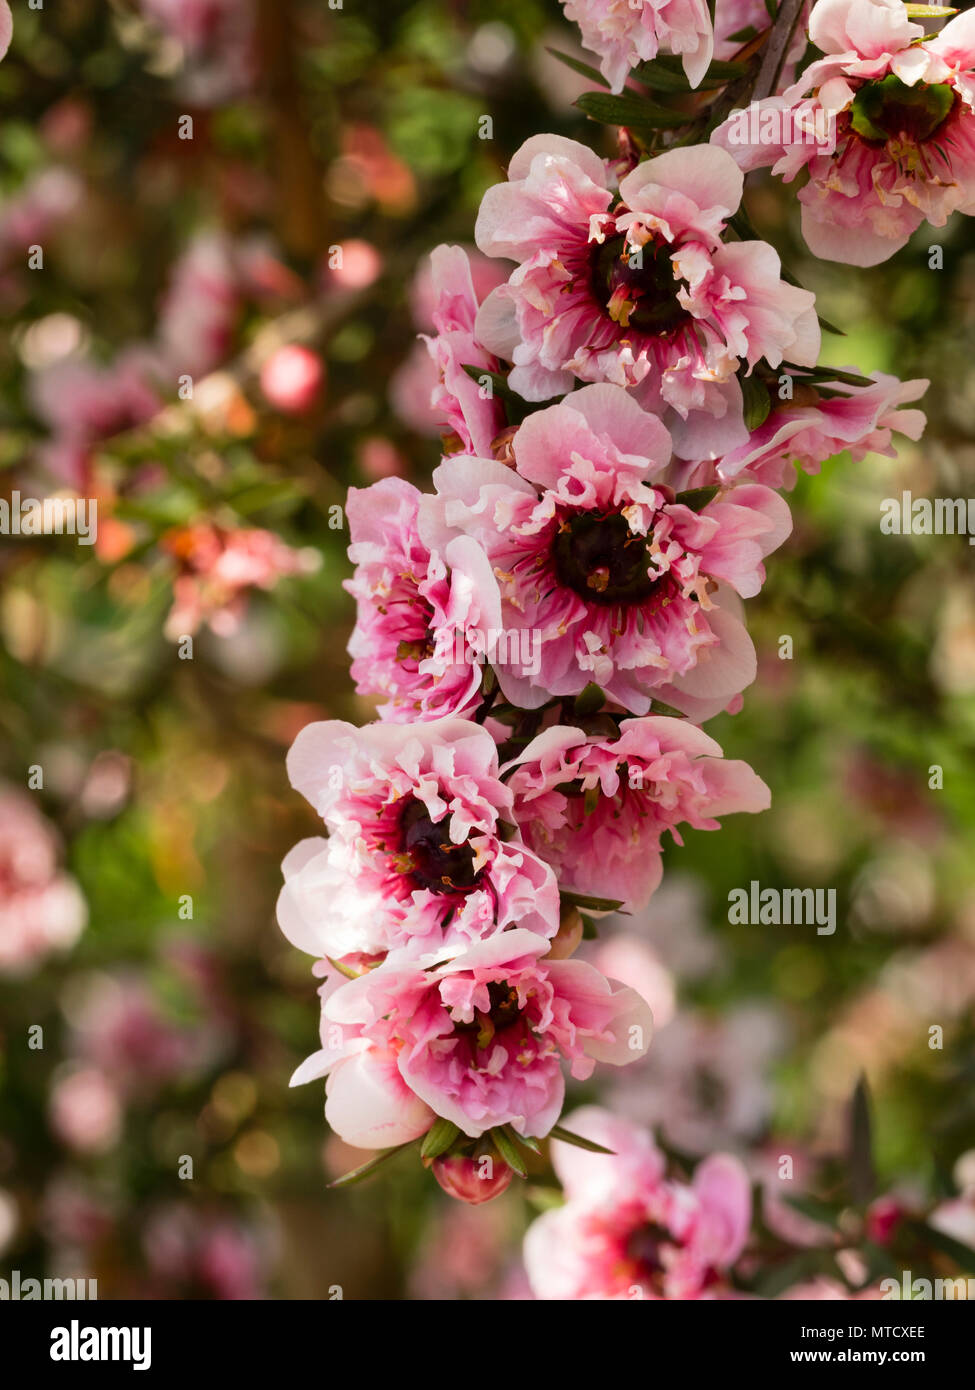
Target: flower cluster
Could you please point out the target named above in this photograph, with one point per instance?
(546, 631)
(901, 105)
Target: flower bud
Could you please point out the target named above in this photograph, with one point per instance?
(472, 1178)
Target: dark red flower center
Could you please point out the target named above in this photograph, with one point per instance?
(599, 558)
(646, 279)
(428, 855)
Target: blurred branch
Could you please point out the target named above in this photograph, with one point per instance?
(299, 204)
(778, 46)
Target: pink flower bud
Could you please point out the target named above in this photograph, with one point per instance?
(472, 1179)
(291, 379)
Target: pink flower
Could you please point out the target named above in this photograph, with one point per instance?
(422, 617)
(478, 1040)
(471, 1179)
(596, 807)
(627, 32)
(811, 428)
(6, 27)
(292, 379)
(216, 37)
(217, 567)
(85, 1111)
(604, 576)
(903, 110)
(204, 1254)
(422, 850)
(646, 295)
(41, 908)
(200, 308)
(470, 414)
(628, 1231)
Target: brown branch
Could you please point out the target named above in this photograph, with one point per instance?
(783, 29)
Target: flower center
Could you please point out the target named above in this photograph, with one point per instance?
(643, 1247)
(429, 857)
(504, 1012)
(599, 558)
(890, 110)
(637, 287)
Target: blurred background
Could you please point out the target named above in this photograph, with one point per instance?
(233, 199)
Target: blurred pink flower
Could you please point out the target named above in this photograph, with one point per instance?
(292, 379)
(86, 1112)
(626, 1229)
(217, 567)
(41, 908)
(202, 1254)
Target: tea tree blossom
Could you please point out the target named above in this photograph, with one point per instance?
(478, 1040)
(596, 807)
(904, 112)
(644, 292)
(627, 32)
(423, 854)
(620, 582)
(627, 1229)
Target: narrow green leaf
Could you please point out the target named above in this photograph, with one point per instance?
(438, 1138)
(860, 1146)
(367, 1169)
(583, 69)
(593, 904)
(629, 111)
(509, 1151)
(567, 1137)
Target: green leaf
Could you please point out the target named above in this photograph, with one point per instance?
(860, 1146)
(590, 931)
(661, 707)
(756, 400)
(744, 35)
(567, 1137)
(815, 1208)
(367, 1169)
(509, 1151)
(583, 69)
(956, 1250)
(697, 497)
(438, 1138)
(593, 904)
(659, 76)
(629, 111)
(589, 700)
